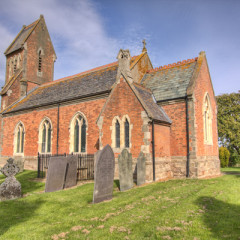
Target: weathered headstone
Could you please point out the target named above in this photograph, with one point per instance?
(11, 187)
(56, 174)
(141, 169)
(125, 170)
(20, 164)
(104, 175)
(71, 174)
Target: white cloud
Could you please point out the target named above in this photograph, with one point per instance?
(75, 27)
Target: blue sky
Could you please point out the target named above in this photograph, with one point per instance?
(89, 33)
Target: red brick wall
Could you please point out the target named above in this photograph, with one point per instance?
(162, 141)
(14, 96)
(177, 113)
(37, 39)
(32, 122)
(31, 85)
(203, 85)
(124, 102)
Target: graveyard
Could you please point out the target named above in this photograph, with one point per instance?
(177, 209)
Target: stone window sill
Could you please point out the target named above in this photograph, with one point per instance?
(18, 154)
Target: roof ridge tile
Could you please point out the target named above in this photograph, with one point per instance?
(171, 65)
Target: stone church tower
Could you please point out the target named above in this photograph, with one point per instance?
(29, 62)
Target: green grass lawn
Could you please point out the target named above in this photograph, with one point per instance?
(178, 209)
(231, 169)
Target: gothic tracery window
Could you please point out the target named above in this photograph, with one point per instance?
(78, 134)
(121, 133)
(19, 138)
(45, 136)
(207, 120)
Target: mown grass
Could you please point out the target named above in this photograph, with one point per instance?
(231, 169)
(178, 209)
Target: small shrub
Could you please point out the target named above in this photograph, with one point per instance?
(234, 159)
(224, 155)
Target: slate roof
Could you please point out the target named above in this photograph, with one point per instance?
(155, 111)
(77, 86)
(21, 38)
(91, 82)
(170, 81)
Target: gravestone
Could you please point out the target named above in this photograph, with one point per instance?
(71, 174)
(20, 164)
(11, 187)
(56, 174)
(125, 170)
(104, 175)
(141, 169)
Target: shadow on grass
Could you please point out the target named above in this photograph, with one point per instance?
(231, 173)
(221, 218)
(14, 212)
(29, 182)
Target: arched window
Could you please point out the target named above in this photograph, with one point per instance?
(10, 67)
(45, 136)
(207, 120)
(39, 61)
(126, 135)
(19, 59)
(15, 64)
(121, 133)
(19, 139)
(117, 134)
(78, 134)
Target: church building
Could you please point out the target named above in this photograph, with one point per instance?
(169, 113)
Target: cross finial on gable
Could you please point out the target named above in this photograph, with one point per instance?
(144, 46)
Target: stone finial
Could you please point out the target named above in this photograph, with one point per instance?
(124, 58)
(144, 46)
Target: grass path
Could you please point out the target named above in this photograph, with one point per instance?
(178, 209)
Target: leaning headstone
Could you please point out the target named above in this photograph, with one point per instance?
(71, 174)
(141, 169)
(104, 175)
(11, 187)
(125, 170)
(56, 174)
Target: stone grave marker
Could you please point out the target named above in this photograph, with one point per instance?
(104, 175)
(11, 187)
(56, 174)
(71, 174)
(141, 169)
(20, 164)
(125, 170)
